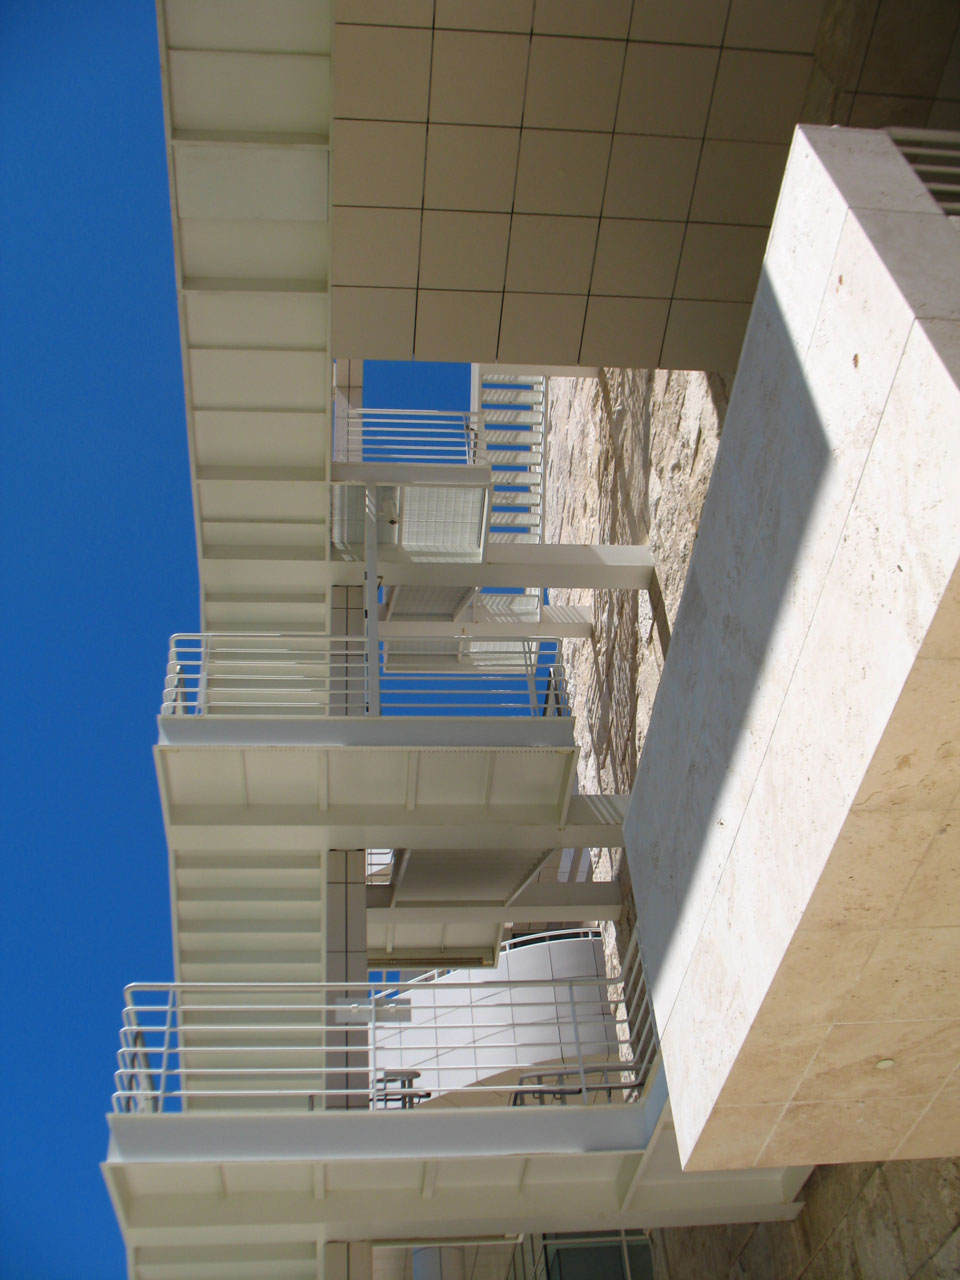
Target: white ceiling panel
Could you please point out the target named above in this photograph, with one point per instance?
(289, 26)
(284, 776)
(302, 501)
(252, 93)
(452, 777)
(243, 533)
(528, 777)
(362, 777)
(203, 776)
(218, 180)
(255, 379)
(228, 318)
(212, 248)
(248, 438)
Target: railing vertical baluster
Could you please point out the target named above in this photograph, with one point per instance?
(576, 1039)
(372, 1025)
(165, 1051)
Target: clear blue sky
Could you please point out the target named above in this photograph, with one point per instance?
(98, 568)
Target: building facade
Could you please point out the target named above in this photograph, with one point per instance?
(390, 1029)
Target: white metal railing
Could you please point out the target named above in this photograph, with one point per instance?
(267, 1047)
(583, 933)
(505, 431)
(934, 155)
(625, 1253)
(514, 411)
(273, 674)
(431, 436)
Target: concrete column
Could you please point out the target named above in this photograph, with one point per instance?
(439, 1263)
(345, 936)
(343, 1260)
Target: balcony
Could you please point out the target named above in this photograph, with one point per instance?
(467, 1106)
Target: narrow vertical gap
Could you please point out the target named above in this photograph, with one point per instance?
(606, 179)
(693, 189)
(423, 184)
(516, 177)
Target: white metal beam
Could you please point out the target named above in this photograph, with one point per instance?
(538, 903)
(511, 564)
(592, 822)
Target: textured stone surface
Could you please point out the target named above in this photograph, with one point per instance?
(631, 454)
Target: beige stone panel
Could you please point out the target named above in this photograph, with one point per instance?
(937, 1132)
(651, 177)
(869, 869)
(471, 168)
(624, 332)
(876, 110)
(721, 263)
(375, 324)
(704, 335)
(463, 250)
(561, 172)
(378, 162)
(924, 1053)
(637, 259)
(733, 1137)
(898, 61)
(541, 328)
(771, 1063)
(758, 96)
(840, 1132)
(609, 18)
(788, 25)
(478, 77)
(917, 763)
(693, 22)
(484, 15)
(816, 976)
(550, 255)
(572, 84)
(385, 13)
(943, 638)
(375, 246)
(666, 89)
(933, 896)
(456, 325)
(738, 182)
(913, 973)
(383, 73)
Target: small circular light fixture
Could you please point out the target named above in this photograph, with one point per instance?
(884, 1064)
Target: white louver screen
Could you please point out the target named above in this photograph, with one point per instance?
(441, 516)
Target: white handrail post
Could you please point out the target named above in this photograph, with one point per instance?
(371, 603)
(531, 675)
(576, 1040)
(372, 1024)
(165, 1051)
(202, 680)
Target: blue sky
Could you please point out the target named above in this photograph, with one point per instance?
(98, 568)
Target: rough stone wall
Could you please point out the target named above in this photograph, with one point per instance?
(629, 458)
